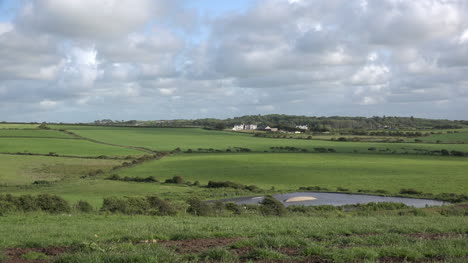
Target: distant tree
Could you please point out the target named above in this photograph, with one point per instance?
(220, 126)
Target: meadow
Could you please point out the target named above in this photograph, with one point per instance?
(33, 133)
(323, 235)
(290, 170)
(20, 170)
(168, 139)
(70, 147)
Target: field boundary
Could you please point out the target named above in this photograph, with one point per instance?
(143, 149)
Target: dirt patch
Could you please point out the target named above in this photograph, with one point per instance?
(198, 245)
(15, 255)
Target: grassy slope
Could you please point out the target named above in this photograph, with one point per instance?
(33, 133)
(289, 171)
(167, 139)
(27, 169)
(62, 147)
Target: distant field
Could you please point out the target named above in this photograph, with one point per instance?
(33, 133)
(167, 139)
(289, 171)
(18, 170)
(18, 126)
(61, 147)
(459, 137)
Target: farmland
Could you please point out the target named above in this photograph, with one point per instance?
(93, 163)
(168, 139)
(290, 171)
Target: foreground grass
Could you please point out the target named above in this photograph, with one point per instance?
(19, 169)
(100, 238)
(290, 171)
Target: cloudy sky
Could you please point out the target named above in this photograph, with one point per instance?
(82, 60)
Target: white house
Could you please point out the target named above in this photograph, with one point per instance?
(238, 127)
(242, 127)
(302, 127)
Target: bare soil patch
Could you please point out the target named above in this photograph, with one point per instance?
(15, 255)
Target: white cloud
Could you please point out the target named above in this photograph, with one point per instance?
(87, 18)
(5, 27)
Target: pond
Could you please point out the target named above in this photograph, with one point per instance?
(336, 199)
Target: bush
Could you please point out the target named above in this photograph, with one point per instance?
(52, 204)
(234, 208)
(198, 208)
(271, 206)
(410, 191)
(228, 184)
(175, 180)
(160, 207)
(84, 206)
(27, 203)
(151, 205)
(149, 179)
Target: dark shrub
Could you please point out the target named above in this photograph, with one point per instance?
(42, 182)
(457, 153)
(52, 204)
(126, 205)
(410, 191)
(160, 207)
(175, 180)
(271, 206)
(198, 208)
(320, 150)
(372, 149)
(342, 189)
(234, 208)
(84, 206)
(444, 152)
(6, 207)
(114, 177)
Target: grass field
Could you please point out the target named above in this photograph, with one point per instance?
(18, 126)
(18, 170)
(294, 239)
(404, 235)
(167, 139)
(61, 147)
(289, 171)
(33, 133)
(458, 137)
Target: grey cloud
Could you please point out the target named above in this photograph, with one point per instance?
(85, 60)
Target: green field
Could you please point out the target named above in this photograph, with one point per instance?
(33, 133)
(456, 137)
(290, 171)
(18, 126)
(434, 234)
(168, 139)
(17, 169)
(73, 147)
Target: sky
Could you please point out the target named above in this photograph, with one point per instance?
(83, 60)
